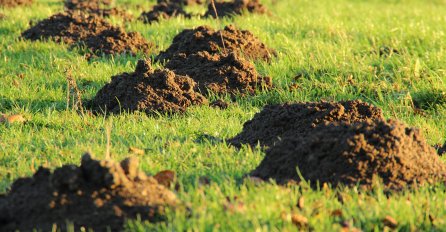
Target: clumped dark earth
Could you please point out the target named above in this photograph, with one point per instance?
(441, 149)
(148, 91)
(360, 153)
(276, 122)
(96, 7)
(14, 3)
(67, 27)
(115, 41)
(98, 195)
(204, 38)
(163, 11)
(219, 104)
(235, 7)
(220, 73)
(183, 2)
(92, 31)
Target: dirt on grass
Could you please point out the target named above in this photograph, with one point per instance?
(183, 2)
(441, 149)
(235, 7)
(361, 153)
(115, 41)
(148, 91)
(276, 122)
(92, 31)
(98, 195)
(204, 38)
(99, 8)
(220, 73)
(163, 11)
(15, 3)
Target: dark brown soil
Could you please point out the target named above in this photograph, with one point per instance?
(67, 27)
(163, 11)
(219, 104)
(97, 7)
(441, 149)
(116, 41)
(76, 28)
(220, 74)
(349, 154)
(149, 91)
(235, 7)
(183, 2)
(14, 3)
(276, 122)
(204, 38)
(96, 195)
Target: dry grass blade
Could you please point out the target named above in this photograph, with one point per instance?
(73, 93)
(218, 19)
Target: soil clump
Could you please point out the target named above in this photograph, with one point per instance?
(204, 38)
(276, 122)
(183, 2)
(92, 31)
(147, 90)
(99, 8)
(219, 104)
(115, 41)
(441, 149)
(235, 7)
(95, 195)
(359, 153)
(162, 11)
(220, 73)
(15, 3)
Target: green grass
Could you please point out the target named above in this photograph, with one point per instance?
(334, 47)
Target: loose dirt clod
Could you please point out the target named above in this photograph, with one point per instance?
(162, 11)
(441, 149)
(183, 2)
(79, 29)
(115, 41)
(276, 122)
(348, 154)
(219, 104)
(149, 91)
(220, 73)
(204, 38)
(67, 27)
(14, 3)
(235, 7)
(96, 195)
(96, 7)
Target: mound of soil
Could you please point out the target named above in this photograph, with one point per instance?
(97, 8)
(349, 154)
(149, 91)
(163, 11)
(276, 122)
(67, 27)
(14, 3)
(204, 38)
(116, 41)
(96, 195)
(236, 7)
(85, 4)
(76, 28)
(182, 2)
(220, 73)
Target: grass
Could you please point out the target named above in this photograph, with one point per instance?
(333, 46)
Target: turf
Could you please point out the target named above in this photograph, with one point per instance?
(330, 47)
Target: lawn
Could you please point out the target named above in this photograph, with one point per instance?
(332, 47)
